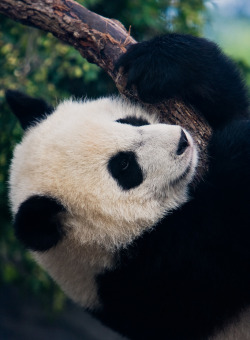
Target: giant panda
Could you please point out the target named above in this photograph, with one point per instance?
(101, 194)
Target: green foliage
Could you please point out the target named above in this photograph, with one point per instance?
(38, 64)
(245, 70)
(234, 40)
(149, 17)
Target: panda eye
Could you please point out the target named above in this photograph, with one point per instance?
(134, 121)
(125, 169)
(124, 164)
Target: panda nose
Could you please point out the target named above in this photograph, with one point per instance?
(183, 143)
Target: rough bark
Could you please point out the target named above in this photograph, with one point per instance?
(101, 41)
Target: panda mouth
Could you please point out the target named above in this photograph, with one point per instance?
(182, 176)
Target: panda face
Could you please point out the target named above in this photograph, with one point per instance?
(109, 163)
(115, 171)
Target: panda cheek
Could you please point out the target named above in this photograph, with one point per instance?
(37, 223)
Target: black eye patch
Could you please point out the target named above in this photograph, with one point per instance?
(125, 169)
(133, 121)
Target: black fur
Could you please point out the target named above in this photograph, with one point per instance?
(195, 69)
(133, 121)
(37, 224)
(125, 169)
(191, 274)
(28, 110)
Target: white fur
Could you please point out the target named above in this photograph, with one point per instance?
(237, 330)
(66, 157)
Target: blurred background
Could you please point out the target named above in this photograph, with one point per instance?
(31, 305)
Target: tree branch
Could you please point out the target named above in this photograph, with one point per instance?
(101, 41)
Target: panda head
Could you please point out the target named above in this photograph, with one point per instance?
(89, 177)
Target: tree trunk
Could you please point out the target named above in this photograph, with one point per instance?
(101, 41)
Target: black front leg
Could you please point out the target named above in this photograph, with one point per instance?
(191, 68)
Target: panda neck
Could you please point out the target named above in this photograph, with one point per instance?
(74, 268)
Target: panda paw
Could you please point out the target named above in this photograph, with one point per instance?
(189, 68)
(153, 67)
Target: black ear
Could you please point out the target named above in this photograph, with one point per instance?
(37, 223)
(27, 109)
